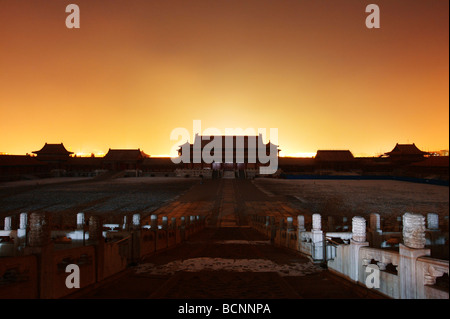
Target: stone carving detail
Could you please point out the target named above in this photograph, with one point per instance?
(359, 229)
(431, 273)
(414, 230)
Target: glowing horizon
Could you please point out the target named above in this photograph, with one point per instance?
(137, 69)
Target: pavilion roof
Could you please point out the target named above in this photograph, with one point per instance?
(406, 149)
(334, 156)
(125, 155)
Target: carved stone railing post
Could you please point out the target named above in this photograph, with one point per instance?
(411, 249)
(136, 221)
(136, 235)
(317, 237)
(39, 230)
(95, 228)
(358, 229)
(8, 223)
(300, 229)
(22, 231)
(358, 240)
(125, 223)
(80, 221)
(414, 230)
(39, 242)
(301, 223)
(96, 238)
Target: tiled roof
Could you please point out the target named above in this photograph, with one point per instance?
(125, 155)
(53, 149)
(334, 156)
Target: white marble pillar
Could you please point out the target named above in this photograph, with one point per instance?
(23, 221)
(124, 225)
(22, 231)
(137, 221)
(165, 222)
(358, 240)
(317, 237)
(301, 223)
(154, 222)
(80, 220)
(316, 222)
(8, 223)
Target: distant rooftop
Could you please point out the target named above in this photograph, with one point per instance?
(125, 155)
(405, 149)
(334, 156)
(53, 149)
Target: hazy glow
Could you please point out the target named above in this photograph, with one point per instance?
(137, 69)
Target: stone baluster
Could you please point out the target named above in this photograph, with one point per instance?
(414, 230)
(165, 223)
(124, 224)
(316, 222)
(154, 222)
(22, 231)
(359, 229)
(412, 248)
(317, 237)
(8, 223)
(136, 221)
(23, 221)
(301, 223)
(80, 221)
(358, 240)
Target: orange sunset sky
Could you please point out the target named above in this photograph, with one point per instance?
(137, 69)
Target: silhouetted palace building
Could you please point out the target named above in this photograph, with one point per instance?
(239, 158)
(406, 153)
(231, 153)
